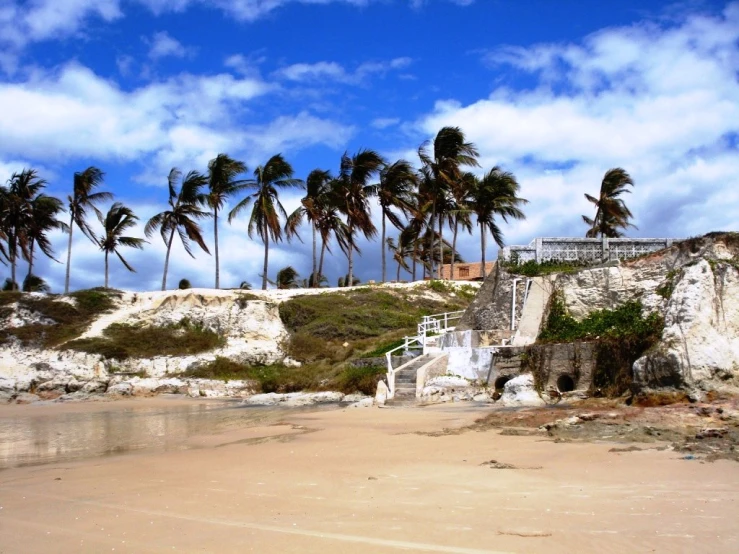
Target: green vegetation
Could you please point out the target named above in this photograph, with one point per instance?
(622, 335)
(368, 319)
(282, 379)
(70, 320)
(666, 288)
(534, 269)
(121, 341)
(384, 349)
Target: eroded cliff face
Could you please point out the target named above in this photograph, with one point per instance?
(252, 329)
(693, 285)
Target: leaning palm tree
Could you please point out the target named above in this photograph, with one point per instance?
(182, 215)
(450, 152)
(495, 194)
(44, 210)
(611, 214)
(351, 192)
(222, 183)
(395, 190)
(277, 173)
(116, 222)
(16, 213)
(311, 207)
(82, 199)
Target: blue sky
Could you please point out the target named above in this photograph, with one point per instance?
(557, 92)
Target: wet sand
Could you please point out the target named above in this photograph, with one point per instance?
(367, 480)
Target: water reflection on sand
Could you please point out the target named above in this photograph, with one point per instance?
(28, 438)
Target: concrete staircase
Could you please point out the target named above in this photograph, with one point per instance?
(405, 381)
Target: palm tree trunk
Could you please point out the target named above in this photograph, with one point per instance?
(266, 259)
(69, 254)
(382, 246)
(30, 258)
(106, 269)
(320, 264)
(12, 253)
(454, 249)
(315, 277)
(415, 257)
(350, 276)
(482, 246)
(166, 260)
(215, 236)
(397, 277)
(441, 247)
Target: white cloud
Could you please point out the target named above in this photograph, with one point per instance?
(181, 121)
(324, 71)
(161, 45)
(385, 122)
(661, 102)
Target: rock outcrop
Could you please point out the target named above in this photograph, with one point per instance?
(252, 329)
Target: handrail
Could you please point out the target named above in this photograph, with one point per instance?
(389, 357)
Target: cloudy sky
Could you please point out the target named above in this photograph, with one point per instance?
(556, 92)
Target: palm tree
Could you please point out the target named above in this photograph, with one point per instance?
(32, 283)
(496, 194)
(397, 185)
(329, 223)
(43, 219)
(611, 214)
(287, 278)
(400, 253)
(222, 183)
(116, 222)
(351, 193)
(459, 215)
(81, 199)
(310, 208)
(265, 214)
(16, 213)
(450, 151)
(182, 216)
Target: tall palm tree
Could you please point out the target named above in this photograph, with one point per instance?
(611, 214)
(450, 151)
(277, 173)
(182, 216)
(495, 194)
(459, 215)
(222, 183)
(44, 210)
(116, 222)
(16, 213)
(329, 223)
(317, 187)
(82, 199)
(351, 192)
(397, 185)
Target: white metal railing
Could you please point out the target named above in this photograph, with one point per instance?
(436, 324)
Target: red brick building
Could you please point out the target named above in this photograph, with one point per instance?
(466, 271)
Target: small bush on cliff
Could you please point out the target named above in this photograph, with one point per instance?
(70, 320)
(622, 335)
(533, 269)
(120, 341)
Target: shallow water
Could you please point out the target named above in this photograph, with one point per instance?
(28, 438)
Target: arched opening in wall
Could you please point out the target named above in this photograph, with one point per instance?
(565, 383)
(501, 381)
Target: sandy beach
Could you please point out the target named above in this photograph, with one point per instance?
(367, 480)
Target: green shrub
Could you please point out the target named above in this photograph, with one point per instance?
(184, 284)
(534, 269)
(360, 379)
(70, 320)
(440, 286)
(120, 341)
